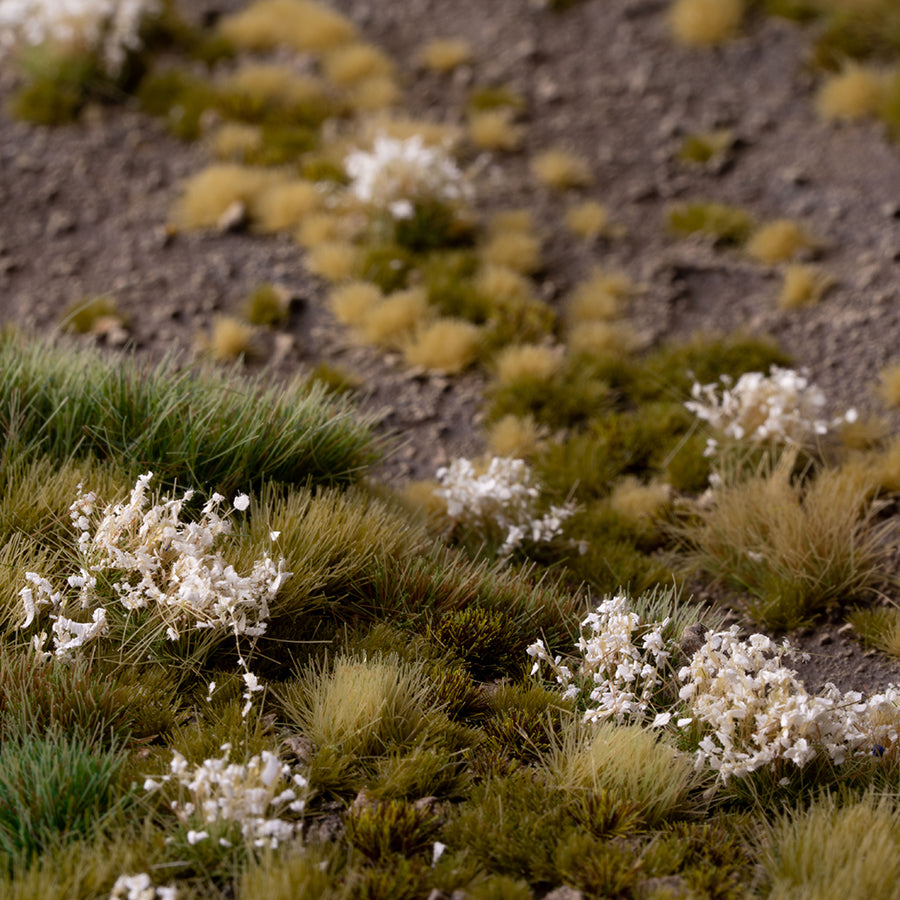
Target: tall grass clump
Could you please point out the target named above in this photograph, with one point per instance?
(55, 788)
(188, 425)
(834, 850)
(796, 546)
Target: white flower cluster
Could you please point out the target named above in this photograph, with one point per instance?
(109, 28)
(504, 497)
(398, 174)
(140, 887)
(756, 711)
(623, 664)
(751, 709)
(149, 558)
(254, 795)
(782, 407)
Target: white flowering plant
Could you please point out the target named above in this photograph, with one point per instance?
(222, 803)
(105, 30)
(501, 505)
(783, 407)
(151, 586)
(414, 191)
(735, 703)
(140, 887)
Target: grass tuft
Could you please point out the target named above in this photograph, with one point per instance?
(795, 547)
(705, 23)
(588, 220)
(777, 241)
(561, 170)
(803, 285)
(446, 345)
(443, 55)
(192, 425)
(722, 223)
(856, 92)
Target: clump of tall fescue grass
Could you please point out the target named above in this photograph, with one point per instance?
(191, 426)
(795, 546)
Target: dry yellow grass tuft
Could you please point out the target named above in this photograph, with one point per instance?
(503, 285)
(889, 387)
(515, 437)
(321, 228)
(300, 24)
(283, 206)
(599, 337)
(374, 94)
(446, 345)
(445, 54)
(333, 261)
(402, 128)
(520, 221)
(276, 84)
(516, 250)
(587, 220)
(704, 23)
(803, 286)
(349, 65)
(561, 170)
(230, 339)
(216, 189)
(352, 302)
(495, 129)
(853, 93)
(778, 241)
(600, 298)
(234, 141)
(638, 502)
(392, 322)
(527, 362)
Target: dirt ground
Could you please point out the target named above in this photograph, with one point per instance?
(85, 209)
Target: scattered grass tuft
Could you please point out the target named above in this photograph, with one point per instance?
(777, 241)
(267, 306)
(231, 339)
(879, 627)
(889, 387)
(352, 63)
(335, 261)
(55, 788)
(833, 850)
(856, 92)
(495, 129)
(84, 316)
(707, 147)
(588, 220)
(299, 24)
(561, 170)
(192, 425)
(804, 285)
(724, 224)
(446, 345)
(705, 23)
(445, 54)
(396, 318)
(391, 828)
(795, 547)
(628, 762)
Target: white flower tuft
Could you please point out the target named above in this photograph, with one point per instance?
(109, 28)
(783, 407)
(504, 497)
(398, 174)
